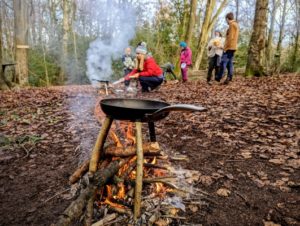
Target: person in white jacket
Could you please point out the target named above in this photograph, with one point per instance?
(214, 52)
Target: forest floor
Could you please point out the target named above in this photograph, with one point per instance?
(247, 144)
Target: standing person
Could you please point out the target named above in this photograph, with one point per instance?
(230, 47)
(128, 63)
(147, 71)
(185, 60)
(214, 52)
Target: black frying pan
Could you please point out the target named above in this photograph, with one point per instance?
(141, 110)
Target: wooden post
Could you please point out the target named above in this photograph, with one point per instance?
(98, 148)
(89, 211)
(139, 172)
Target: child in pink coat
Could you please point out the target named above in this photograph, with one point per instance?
(185, 60)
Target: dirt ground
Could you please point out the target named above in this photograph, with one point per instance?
(246, 147)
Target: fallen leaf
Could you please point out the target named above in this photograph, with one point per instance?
(193, 208)
(246, 155)
(270, 223)
(206, 180)
(277, 161)
(294, 163)
(259, 183)
(162, 222)
(223, 192)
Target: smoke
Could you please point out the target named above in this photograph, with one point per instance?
(112, 23)
(117, 21)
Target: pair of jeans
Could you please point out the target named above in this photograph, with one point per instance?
(213, 63)
(226, 62)
(184, 73)
(149, 83)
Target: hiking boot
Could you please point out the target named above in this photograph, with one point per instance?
(226, 82)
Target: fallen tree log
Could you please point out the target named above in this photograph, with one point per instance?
(100, 178)
(79, 172)
(151, 148)
(105, 220)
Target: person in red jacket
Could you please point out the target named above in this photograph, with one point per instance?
(149, 74)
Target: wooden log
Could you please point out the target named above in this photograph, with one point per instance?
(101, 177)
(89, 211)
(139, 172)
(95, 156)
(121, 210)
(84, 167)
(150, 165)
(105, 220)
(151, 148)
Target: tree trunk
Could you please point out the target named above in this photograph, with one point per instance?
(198, 18)
(271, 31)
(32, 23)
(65, 40)
(297, 37)
(21, 40)
(207, 26)
(191, 24)
(3, 85)
(237, 4)
(257, 41)
(281, 32)
(184, 21)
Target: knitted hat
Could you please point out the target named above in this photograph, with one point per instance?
(142, 49)
(183, 44)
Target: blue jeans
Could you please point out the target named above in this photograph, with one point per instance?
(226, 62)
(150, 82)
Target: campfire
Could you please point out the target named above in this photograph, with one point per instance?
(130, 182)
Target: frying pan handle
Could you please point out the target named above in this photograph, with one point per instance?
(176, 107)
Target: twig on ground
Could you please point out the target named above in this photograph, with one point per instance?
(57, 194)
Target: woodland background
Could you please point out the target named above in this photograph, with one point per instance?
(48, 39)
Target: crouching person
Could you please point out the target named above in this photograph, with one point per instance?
(149, 74)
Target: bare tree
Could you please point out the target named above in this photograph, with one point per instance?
(257, 41)
(208, 23)
(21, 40)
(237, 11)
(277, 62)
(271, 31)
(191, 24)
(65, 39)
(297, 36)
(2, 81)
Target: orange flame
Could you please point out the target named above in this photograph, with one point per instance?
(130, 135)
(116, 139)
(107, 201)
(109, 191)
(126, 166)
(153, 160)
(121, 192)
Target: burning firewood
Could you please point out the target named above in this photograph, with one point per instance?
(151, 148)
(101, 177)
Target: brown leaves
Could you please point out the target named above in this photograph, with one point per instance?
(223, 192)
